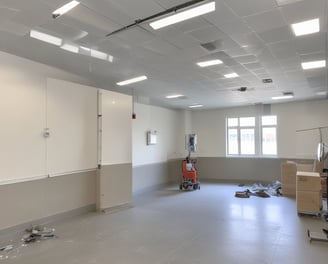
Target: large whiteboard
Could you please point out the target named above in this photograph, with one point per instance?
(22, 119)
(116, 128)
(72, 123)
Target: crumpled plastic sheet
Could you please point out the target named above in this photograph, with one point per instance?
(272, 188)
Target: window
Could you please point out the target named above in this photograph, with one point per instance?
(245, 137)
(269, 135)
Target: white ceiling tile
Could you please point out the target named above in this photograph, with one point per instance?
(64, 31)
(14, 28)
(266, 21)
(160, 47)
(237, 52)
(207, 34)
(303, 10)
(291, 64)
(313, 56)
(221, 15)
(277, 35)
(296, 77)
(136, 36)
(246, 59)
(138, 9)
(253, 66)
(250, 7)
(285, 49)
(86, 20)
(177, 38)
(192, 24)
(235, 27)
(311, 43)
(169, 3)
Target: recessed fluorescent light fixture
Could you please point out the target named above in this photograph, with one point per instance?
(70, 48)
(322, 93)
(133, 80)
(46, 37)
(110, 58)
(64, 9)
(209, 63)
(184, 15)
(306, 27)
(283, 97)
(174, 96)
(99, 55)
(231, 75)
(313, 64)
(196, 106)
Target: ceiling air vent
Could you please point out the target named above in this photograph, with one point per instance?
(267, 81)
(242, 89)
(212, 46)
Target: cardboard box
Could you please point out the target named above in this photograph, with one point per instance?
(308, 181)
(288, 173)
(288, 190)
(308, 202)
(304, 167)
(324, 187)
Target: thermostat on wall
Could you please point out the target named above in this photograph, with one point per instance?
(152, 137)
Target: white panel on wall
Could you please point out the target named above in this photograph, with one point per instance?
(116, 128)
(72, 123)
(22, 119)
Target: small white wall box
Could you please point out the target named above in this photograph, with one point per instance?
(152, 137)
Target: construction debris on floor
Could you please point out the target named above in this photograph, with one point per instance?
(273, 189)
(34, 234)
(38, 233)
(318, 236)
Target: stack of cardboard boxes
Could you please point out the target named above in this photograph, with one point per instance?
(288, 176)
(308, 192)
(299, 180)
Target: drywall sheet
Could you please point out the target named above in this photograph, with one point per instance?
(116, 112)
(22, 119)
(72, 123)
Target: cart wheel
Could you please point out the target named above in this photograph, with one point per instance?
(198, 187)
(195, 187)
(180, 186)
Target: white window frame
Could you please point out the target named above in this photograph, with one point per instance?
(258, 136)
(261, 136)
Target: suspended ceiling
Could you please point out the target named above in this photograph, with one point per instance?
(252, 37)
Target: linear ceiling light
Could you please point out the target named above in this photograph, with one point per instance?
(46, 37)
(133, 80)
(231, 75)
(184, 15)
(99, 55)
(196, 106)
(64, 9)
(174, 96)
(70, 48)
(306, 27)
(321, 93)
(209, 63)
(313, 64)
(283, 97)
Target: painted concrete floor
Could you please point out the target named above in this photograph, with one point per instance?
(171, 226)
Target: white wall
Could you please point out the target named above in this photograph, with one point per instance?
(24, 82)
(210, 127)
(23, 108)
(170, 127)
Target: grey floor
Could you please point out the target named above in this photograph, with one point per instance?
(171, 226)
